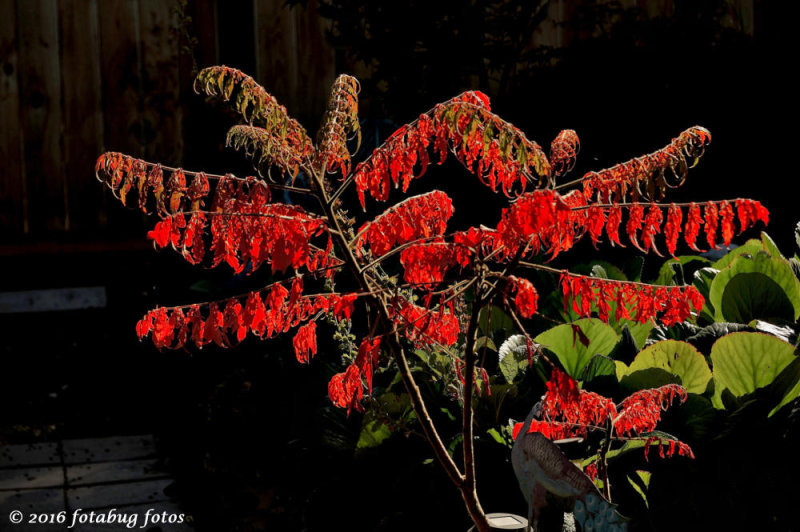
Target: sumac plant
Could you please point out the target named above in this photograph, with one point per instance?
(447, 277)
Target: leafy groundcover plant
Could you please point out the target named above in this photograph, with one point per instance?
(405, 283)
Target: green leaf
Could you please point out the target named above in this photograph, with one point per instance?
(646, 378)
(676, 358)
(703, 278)
(705, 337)
(770, 246)
(794, 262)
(512, 359)
(496, 436)
(697, 417)
(513, 356)
(633, 269)
(570, 351)
(449, 414)
(639, 331)
(672, 272)
(756, 287)
(632, 445)
(602, 269)
(797, 234)
(500, 322)
(755, 295)
(640, 481)
(790, 376)
(454, 443)
(751, 247)
(373, 433)
(746, 361)
(598, 366)
(621, 369)
(484, 341)
(627, 348)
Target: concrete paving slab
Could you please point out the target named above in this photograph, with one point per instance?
(28, 501)
(56, 299)
(116, 495)
(29, 455)
(126, 470)
(31, 477)
(108, 449)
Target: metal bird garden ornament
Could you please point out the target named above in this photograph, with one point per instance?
(541, 467)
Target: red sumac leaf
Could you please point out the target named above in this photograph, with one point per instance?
(672, 227)
(693, 222)
(305, 342)
(711, 223)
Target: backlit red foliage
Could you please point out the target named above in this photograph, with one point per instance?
(633, 301)
(422, 216)
(425, 327)
(215, 219)
(526, 297)
(496, 151)
(568, 411)
(641, 411)
(263, 313)
(647, 175)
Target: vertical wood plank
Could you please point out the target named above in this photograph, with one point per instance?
(276, 56)
(12, 202)
(119, 67)
(316, 63)
(200, 147)
(83, 113)
(121, 82)
(40, 89)
(160, 70)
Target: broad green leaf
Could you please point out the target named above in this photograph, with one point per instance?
(639, 331)
(746, 361)
(674, 267)
(621, 369)
(789, 374)
(627, 348)
(751, 247)
(513, 357)
(756, 287)
(676, 358)
(646, 378)
(705, 337)
(574, 356)
(770, 246)
(749, 296)
(598, 366)
(703, 278)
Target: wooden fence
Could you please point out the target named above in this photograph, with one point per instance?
(79, 77)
